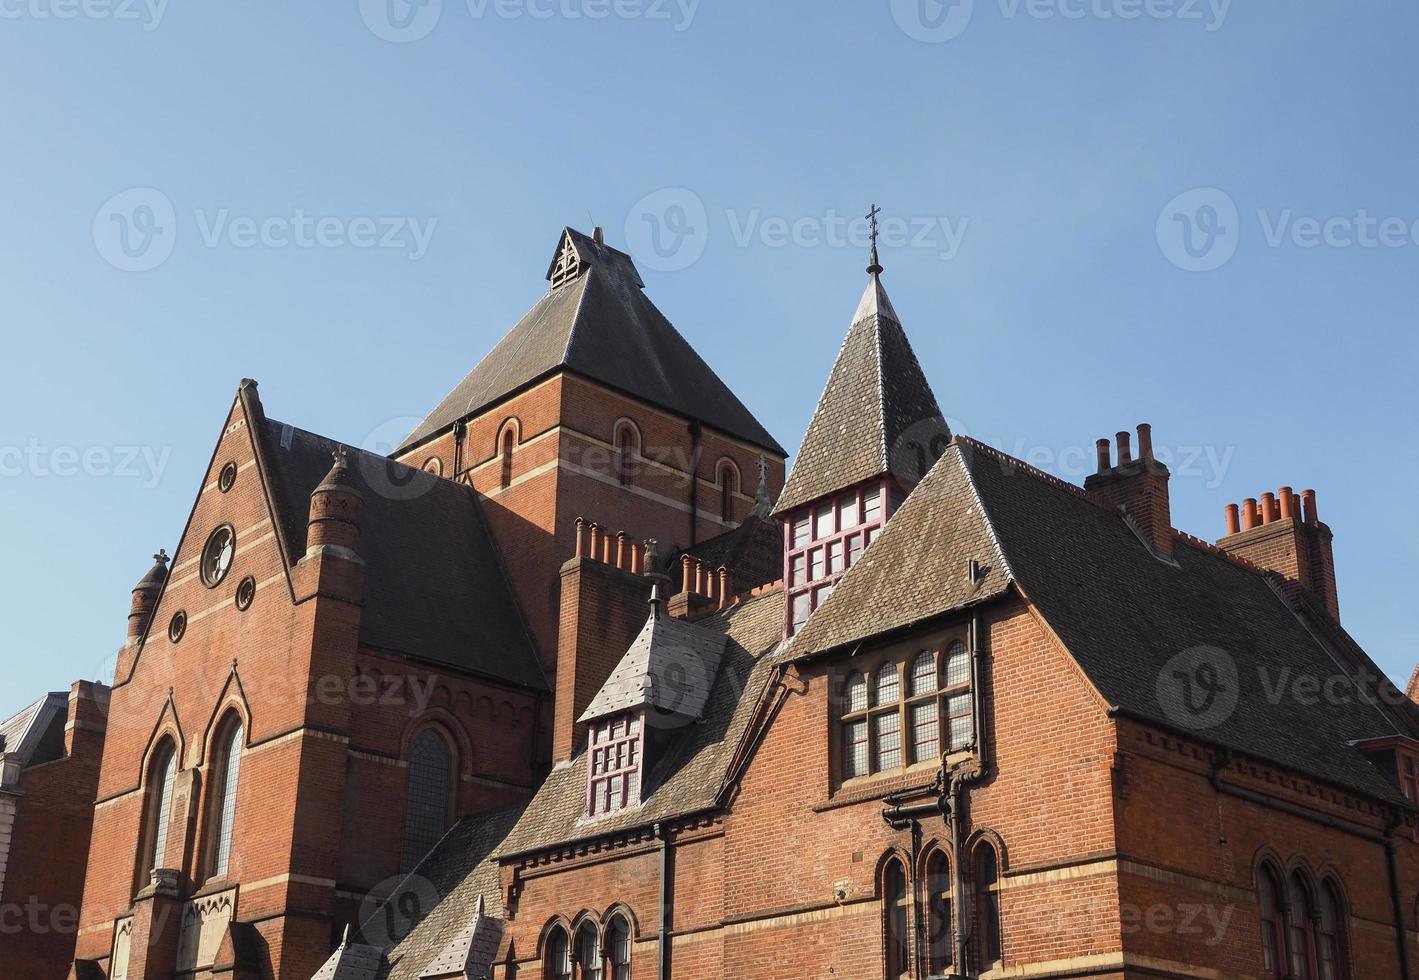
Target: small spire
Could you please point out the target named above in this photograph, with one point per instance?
(341, 456)
(875, 268)
(763, 506)
(657, 601)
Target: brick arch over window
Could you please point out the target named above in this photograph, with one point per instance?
(620, 931)
(986, 868)
(555, 946)
(229, 741)
(509, 438)
(893, 887)
(159, 787)
(587, 952)
(430, 786)
(628, 443)
(937, 891)
(727, 478)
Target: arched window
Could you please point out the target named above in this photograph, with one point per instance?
(854, 729)
(162, 774)
(1300, 927)
(728, 481)
(894, 920)
(509, 441)
(557, 956)
(938, 915)
(226, 767)
(887, 726)
(625, 452)
(987, 900)
(430, 781)
(1272, 937)
(618, 947)
(588, 953)
(1330, 938)
(924, 709)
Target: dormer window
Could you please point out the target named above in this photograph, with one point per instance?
(616, 747)
(827, 539)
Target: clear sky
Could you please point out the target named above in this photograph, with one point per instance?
(166, 167)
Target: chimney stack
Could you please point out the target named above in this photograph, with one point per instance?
(1138, 487)
(1284, 534)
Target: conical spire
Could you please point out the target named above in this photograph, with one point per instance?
(877, 414)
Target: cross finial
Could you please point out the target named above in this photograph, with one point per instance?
(341, 455)
(762, 503)
(161, 557)
(876, 267)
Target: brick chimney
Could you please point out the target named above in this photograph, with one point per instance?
(1138, 487)
(605, 587)
(87, 720)
(1282, 532)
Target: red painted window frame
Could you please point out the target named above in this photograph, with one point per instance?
(817, 587)
(607, 767)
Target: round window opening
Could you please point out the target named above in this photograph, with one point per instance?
(227, 478)
(246, 593)
(217, 556)
(177, 626)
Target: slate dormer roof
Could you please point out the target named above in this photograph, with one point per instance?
(875, 411)
(36, 732)
(670, 667)
(1119, 611)
(600, 324)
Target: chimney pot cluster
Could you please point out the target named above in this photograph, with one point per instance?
(699, 579)
(1124, 441)
(617, 550)
(1284, 505)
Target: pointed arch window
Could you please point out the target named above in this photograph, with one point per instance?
(226, 774)
(557, 955)
(626, 451)
(509, 442)
(1300, 927)
(1330, 935)
(987, 902)
(894, 921)
(938, 915)
(618, 948)
(162, 776)
(1272, 923)
(588, 953)
(430, 788)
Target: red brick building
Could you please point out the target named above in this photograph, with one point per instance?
(577, 685)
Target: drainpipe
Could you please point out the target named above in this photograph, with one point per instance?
(1396, 900)
(662, 835)
(961, 782)
(695, 432)
(459, 428)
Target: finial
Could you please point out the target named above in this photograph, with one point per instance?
(652, 555)
(341, 455)
(876, 267)
(161, 557)
(762, 504)
(657, 601)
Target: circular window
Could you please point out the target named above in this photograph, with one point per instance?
(227, 477)
(246, 592)
(217, 555)
(177, 626)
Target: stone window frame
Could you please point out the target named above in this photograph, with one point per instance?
(855, 721)
(158, 793)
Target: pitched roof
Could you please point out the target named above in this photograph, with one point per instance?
(670, 666)
(36, 732)
(600, 325)
(1123, 614)
(877, 413)
(447, 885)
(694, 766)
(435, 587)
(753, 553)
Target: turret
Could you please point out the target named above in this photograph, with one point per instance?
(145, 597)
(336, 507)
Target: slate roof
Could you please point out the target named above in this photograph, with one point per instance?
(446, 886)
(36, 731)
(877, 413)
(435, 587)
(602, 326)
(694, 768)
(670, 666)
(1123, 614)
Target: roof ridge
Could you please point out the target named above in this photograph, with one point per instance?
(1057, 482)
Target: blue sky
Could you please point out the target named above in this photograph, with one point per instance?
(1199, 215)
